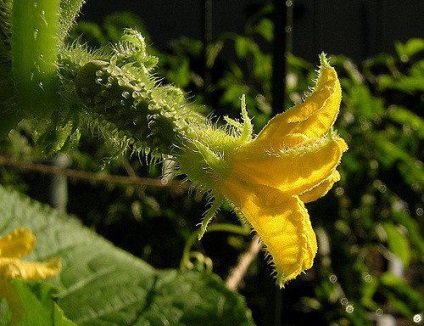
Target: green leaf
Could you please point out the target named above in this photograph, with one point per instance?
(407, 84)
(265, 28)
(5, 313)
(176, 292)
(413, 228)
(40, 310)
(103, 285)
(408, 49)
(389, 154)
(243, 46)
(397, 243)
(213, 51)
(363, 102)
(406, 117)
(401, 296)
(181, 75)
(368, 291)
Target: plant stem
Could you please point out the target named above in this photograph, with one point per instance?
(222, 227)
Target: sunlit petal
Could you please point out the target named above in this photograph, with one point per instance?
(282, 224)
(321, 189)
(292, 172)
(312, 246)
(305, 121)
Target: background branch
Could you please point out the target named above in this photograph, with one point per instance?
(237, 274)
(89, 176)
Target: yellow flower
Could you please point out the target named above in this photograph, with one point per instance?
(292, 161)
(13, 247)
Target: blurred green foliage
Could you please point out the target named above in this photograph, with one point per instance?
(369, 227)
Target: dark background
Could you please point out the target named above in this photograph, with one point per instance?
(355, 28)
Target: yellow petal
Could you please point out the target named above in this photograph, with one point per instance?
(312, 246)
(292, 172)
(15, 268)
(308, 120)
(281, 222)
(321, 189)
(16, 244)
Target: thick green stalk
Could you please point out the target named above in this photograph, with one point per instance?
(34, 51)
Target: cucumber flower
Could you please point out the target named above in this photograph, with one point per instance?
(270, 177)
(13, 246)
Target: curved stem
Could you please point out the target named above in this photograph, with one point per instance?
(222, 227)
